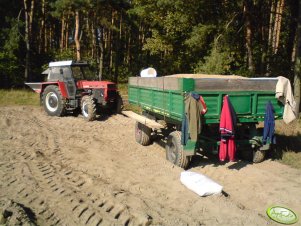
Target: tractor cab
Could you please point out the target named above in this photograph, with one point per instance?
(68, 69)
(70, 73)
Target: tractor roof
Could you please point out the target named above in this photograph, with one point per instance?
(68, 63)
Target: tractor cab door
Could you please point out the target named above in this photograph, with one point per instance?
(69, 81)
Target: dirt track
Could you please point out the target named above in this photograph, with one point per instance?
(65, 171)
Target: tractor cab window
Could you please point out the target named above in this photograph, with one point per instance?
(59, 74)
(78, 73)
(82, 73)
(55, 74)
(66, 72)
(89, 74)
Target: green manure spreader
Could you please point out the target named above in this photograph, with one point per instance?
(164, 105)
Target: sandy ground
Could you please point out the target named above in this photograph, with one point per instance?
(66, 171)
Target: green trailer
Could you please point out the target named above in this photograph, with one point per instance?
(162, 102)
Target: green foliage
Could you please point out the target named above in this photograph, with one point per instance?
(174, 36)
(66, 6)
(66, 54)
(218, 62)
(12, 39)
(10, 68)
(58, 55)
(123, 88)
(200, 37)
(157, 44)
(280, 65)
(123, 74)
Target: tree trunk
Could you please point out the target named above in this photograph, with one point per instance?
(249, 33)
(49, 37)
(292, 38)
(297, 85)
(62, 42)
(89, 51)
(111, 39)
(42, 31)
(100, 53)
(27, 57)
(76, 37)
(46, 37)
(31, 18)
(270, 37)
(67, 34)
(93, 40)
(28, 34)
(277, 26)
(118, 49)
(128, 50)
(271, 22)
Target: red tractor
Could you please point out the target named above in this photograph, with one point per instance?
(67, 89)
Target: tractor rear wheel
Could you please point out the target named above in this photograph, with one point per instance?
(142, 134)
(175, 152)
(53, 102)
(88, 108)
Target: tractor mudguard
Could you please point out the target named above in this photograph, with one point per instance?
(61, 86)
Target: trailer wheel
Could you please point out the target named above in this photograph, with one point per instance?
(175, 152)
(53, 102)
(119, 104)
(258, 156)
(88, 108)
(142, 134)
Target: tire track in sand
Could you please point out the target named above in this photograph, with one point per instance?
(65, 188)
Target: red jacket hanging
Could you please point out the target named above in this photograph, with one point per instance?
(227, 125)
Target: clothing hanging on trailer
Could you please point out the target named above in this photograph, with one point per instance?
(227, 146)
(269, 125)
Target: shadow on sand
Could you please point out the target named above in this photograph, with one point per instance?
(212, 160)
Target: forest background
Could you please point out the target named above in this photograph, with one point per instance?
(119, 38)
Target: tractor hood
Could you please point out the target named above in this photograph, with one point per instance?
(95, 85)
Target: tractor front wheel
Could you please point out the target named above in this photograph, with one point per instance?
(88, 108)
(175, 152)
(53, 102)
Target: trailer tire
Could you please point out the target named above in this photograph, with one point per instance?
(142, 134)
(119, 104)
(53, 101)
(88, 108)
(258, 156)
(175, 152)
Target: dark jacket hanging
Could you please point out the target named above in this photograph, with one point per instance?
(269, 125)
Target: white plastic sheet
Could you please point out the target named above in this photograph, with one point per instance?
(148, 72)
(200, 184)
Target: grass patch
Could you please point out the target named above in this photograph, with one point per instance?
(123, 89)
(134, 108)
(13, 97)
(19, 97)
(288, 147)
(292, 159)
